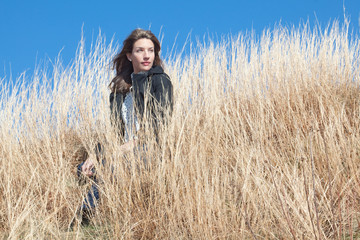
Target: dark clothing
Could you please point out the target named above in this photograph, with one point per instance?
(156, 89)
(152, 91)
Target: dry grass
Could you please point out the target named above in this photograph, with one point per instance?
(263, 144)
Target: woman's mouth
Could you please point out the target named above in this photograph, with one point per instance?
(145, 63)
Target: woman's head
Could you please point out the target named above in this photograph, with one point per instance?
(142, 56)
(140, 52)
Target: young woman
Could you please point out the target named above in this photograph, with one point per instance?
(141, 95)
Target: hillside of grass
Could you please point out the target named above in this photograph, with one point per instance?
(263, 143)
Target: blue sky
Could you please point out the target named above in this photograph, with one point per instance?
(34, 30)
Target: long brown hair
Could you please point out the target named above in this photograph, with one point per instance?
(121, 83)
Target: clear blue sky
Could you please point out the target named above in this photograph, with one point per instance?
(39, 29)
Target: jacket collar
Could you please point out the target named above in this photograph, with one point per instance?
(156, 70)
(142, 76)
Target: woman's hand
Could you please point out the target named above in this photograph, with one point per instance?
(87, 167)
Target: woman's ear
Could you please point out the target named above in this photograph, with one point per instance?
(128, 55)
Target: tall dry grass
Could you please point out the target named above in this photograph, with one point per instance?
(263, 143)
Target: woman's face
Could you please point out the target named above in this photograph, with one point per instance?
(142, 55)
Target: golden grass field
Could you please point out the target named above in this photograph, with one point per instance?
(263, 143)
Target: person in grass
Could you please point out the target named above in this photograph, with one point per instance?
(141, 91)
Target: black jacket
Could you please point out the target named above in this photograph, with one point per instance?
(156, 89)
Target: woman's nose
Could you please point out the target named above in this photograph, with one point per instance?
(146, 54)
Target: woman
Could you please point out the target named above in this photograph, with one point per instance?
(141, 95)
